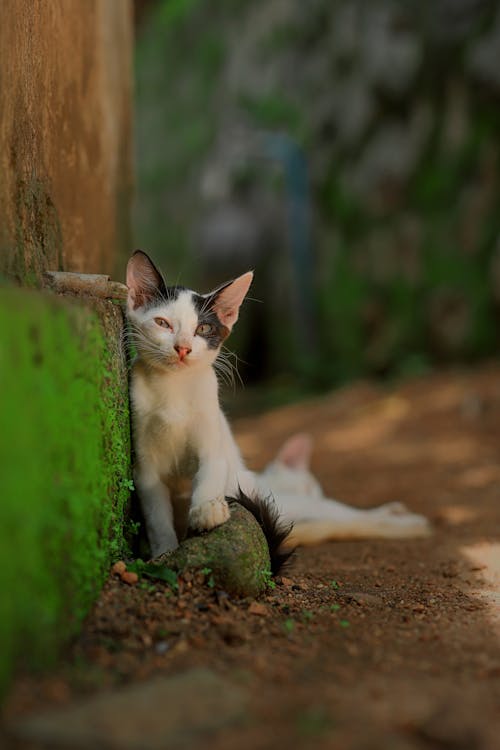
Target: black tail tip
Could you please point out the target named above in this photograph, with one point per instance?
(276, 531)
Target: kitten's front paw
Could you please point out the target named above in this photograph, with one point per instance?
(162, 548)
(208, 515)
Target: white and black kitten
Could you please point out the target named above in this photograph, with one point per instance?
(181, 432)
(179, 428)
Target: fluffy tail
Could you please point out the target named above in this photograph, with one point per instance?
(276, 531)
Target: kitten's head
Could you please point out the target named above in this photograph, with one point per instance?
(289, 473)
(174, 327)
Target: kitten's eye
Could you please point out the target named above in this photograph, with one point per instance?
(205, 329)
(163, 323)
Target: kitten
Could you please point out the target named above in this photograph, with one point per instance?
(316, 518)
(179, 428)
(180, 431)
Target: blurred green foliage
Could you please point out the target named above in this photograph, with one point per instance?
(404, 270)
(272, 110)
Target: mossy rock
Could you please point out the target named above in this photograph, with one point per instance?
(236, 554)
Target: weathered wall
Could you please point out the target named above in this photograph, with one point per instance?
(65, 165)
(65, 177)
(65, 467)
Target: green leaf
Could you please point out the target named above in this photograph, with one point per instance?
(152, 570)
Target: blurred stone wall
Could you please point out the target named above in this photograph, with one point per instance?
(396, 108)
(65, 135)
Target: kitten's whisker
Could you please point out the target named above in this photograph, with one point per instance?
(224, 372)
(206, 305)
(237, 357)
(227, 369)
(225, 354)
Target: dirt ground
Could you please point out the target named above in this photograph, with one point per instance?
(378, 645)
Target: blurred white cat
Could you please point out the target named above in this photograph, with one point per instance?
(316, 518)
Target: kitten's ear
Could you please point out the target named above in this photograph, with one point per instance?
(144, 281)
(226, 300)
(296, 452)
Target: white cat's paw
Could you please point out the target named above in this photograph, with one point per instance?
(161, 548)
(209, 515)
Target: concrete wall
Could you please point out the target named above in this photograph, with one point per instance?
(65, 146)
(65, 467)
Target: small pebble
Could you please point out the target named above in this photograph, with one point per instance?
(161, 647)
(130, 578)
(256, 608)
(119, 568)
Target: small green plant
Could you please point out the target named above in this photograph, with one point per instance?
(334, 607)
(288, 625)
(149, 587)
(132, 527)
(344, 623)
(267, 578)
(152, 570)
(307, 616)
(335, 585)
(209, 575)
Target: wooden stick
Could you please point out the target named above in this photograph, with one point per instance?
(95, 285)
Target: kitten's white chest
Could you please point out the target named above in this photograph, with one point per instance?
(173, 416)
(176, 417)
(168, 414)
(168, 441)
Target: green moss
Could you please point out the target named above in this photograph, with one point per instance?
(64, 449)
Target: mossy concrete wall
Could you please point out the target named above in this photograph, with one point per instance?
(65, 178)
(65, 467)
(65, 145)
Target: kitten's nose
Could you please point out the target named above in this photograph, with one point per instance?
(182, 351)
